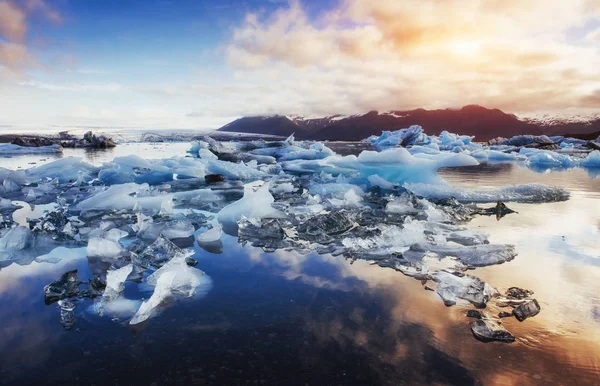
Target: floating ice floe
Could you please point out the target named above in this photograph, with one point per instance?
(11, 149)
(137, 216)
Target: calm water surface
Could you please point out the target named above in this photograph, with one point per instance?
(285, 318)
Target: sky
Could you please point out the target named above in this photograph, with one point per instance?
(198, 64)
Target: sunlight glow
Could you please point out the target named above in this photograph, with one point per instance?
(466, 47)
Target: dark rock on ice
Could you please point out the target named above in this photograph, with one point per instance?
(95, 287)
(33, 141)
(526, 310)
(90, 140)
(488, 330)
(537, 141)
(593, 145)
(474, 314)
(99, 142)
(65, 287)
(191, 261)
(214, 178)
(518, 293)
(500, 210)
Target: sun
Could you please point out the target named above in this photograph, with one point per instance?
(465, 47)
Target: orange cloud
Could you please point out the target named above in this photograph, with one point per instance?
(427, 53)
(14, 18)
(12, 22)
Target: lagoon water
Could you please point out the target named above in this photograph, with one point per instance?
(286, 318)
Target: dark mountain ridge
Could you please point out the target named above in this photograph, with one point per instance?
(475, 120)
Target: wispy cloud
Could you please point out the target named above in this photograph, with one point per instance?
(14, 26)
(75, 87)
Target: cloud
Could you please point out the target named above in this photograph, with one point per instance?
(594, 36)
(12, 22)
(592, 100)
(428, 53)
(14, 26)
(75, 87)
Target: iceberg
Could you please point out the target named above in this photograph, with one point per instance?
(405, 137)
(254, 204)
(592, 161)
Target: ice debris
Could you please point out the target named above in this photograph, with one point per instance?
(212, 235)
(173, 279)
(390, 207)
(65, 287)
(488, 330)
(527, 309)
(67, 317)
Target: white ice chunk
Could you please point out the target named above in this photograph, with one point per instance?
(16, 239)
(160, 294)
(103, 248)
(207, 154)
(233, 171)
(106, 245)
(254, 204)
(592, 160)
(211, 235)
(375, 180)
(172, 279)
(65, 170)
(10, 186)
(115, 282)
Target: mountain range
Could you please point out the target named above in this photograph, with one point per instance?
(483, 123)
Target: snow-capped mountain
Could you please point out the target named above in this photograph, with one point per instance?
(576, 124)
(475, 120)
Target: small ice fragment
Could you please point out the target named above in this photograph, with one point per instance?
(67, 317)
(166, 207)
(518, 293)
(115, 280)
(211, 235)
(103, 248)
(10, 186)
(488, 330)
(16, 239)
(160, 252)
(65, 287)
(527, 309)
(471, 288)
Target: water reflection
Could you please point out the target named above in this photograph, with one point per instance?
(286, 318)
